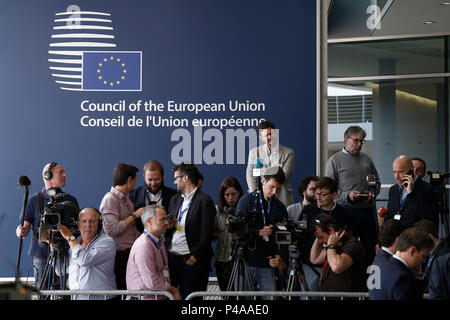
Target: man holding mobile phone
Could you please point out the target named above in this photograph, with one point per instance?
(358, 185)
(411, 199)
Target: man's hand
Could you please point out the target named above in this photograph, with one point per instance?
(65, 232)
(410, 183)
(191, 261)
(274, 262)
(353, 195)
(266, 231)
(335, 238)
(139, 211)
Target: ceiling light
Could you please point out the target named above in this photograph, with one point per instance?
(445, 4)
(429, 22)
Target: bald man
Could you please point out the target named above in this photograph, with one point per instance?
(411, 199)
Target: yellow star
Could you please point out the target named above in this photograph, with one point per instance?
(100, 77)
(105, 59)
(100, 64)
(123, 64)
(124, 71)
(105, 82)
(123, 77)
(118, 82)
(112, 58)
(98, 70)
(118, 59)
(111, 84)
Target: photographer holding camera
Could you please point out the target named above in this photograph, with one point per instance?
(263, 254)
(54, 178)
(91, 255)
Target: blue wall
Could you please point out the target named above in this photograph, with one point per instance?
(195, 51)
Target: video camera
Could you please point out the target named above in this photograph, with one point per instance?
(61, 210)
(239, 225)
(292, 232)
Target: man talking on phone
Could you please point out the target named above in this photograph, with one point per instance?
(411, 199)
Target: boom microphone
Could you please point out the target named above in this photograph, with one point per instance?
(24, 181)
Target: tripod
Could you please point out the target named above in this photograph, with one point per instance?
(240, 273)
(56, 258)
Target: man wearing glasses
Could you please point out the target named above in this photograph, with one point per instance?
(326, 191)
(148, 267)
(188, 239)
(153, 192)
(358, 185)
(342, 256)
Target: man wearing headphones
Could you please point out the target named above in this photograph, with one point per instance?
(54, 178)
(91, 255)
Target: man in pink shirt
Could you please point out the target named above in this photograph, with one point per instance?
(147, 267)
(119, 218)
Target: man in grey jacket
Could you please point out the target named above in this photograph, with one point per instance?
(271, 154)
(358, 185)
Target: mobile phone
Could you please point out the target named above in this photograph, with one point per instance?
(363, 195)
(409, 173)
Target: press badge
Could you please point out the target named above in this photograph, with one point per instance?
(166, 273)
(397, 217)
(179, 228)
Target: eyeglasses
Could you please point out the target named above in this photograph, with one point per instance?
(322, 194)
(163, 219)
(150, 181)
(176, 177)
(363, 141)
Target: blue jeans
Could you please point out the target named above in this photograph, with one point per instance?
(264, 278)
(38, 267)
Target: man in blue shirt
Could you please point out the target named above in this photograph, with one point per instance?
(91, 256)
(54, 178)
(262, 254)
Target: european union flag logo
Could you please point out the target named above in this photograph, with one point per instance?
(112, 71)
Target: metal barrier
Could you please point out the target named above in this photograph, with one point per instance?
(287, 294)
(104, 293)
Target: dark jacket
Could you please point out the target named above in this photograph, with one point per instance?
(397, 283)
(439, 285)
(198, 228)
(259, 249)
(137, 196)
(420, 204)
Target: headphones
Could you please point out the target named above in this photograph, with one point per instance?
(100, 221)
(48, 175)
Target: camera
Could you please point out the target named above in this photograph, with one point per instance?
(239, 225)
(61, 210)
(290, 231)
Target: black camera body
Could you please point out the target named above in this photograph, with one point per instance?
(292, 232)
(239, 225)
(61, 210)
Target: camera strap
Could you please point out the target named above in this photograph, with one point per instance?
(40, 202)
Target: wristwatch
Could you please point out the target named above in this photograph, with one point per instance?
(134, 216)
(330, 246)
(72, 237)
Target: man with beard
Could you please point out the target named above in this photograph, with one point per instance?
(352, 169)
(153, 192)
(189, 234)
(306, 189)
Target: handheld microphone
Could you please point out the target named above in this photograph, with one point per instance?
(24, 181)
(381, 211)
(257, 166)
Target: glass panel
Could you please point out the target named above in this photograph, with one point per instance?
(399, 116)
(393, 57)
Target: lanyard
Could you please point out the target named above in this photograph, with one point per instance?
(156, 245)
(331, 211)
(181, 213)
(263, 211)
(149, 200)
